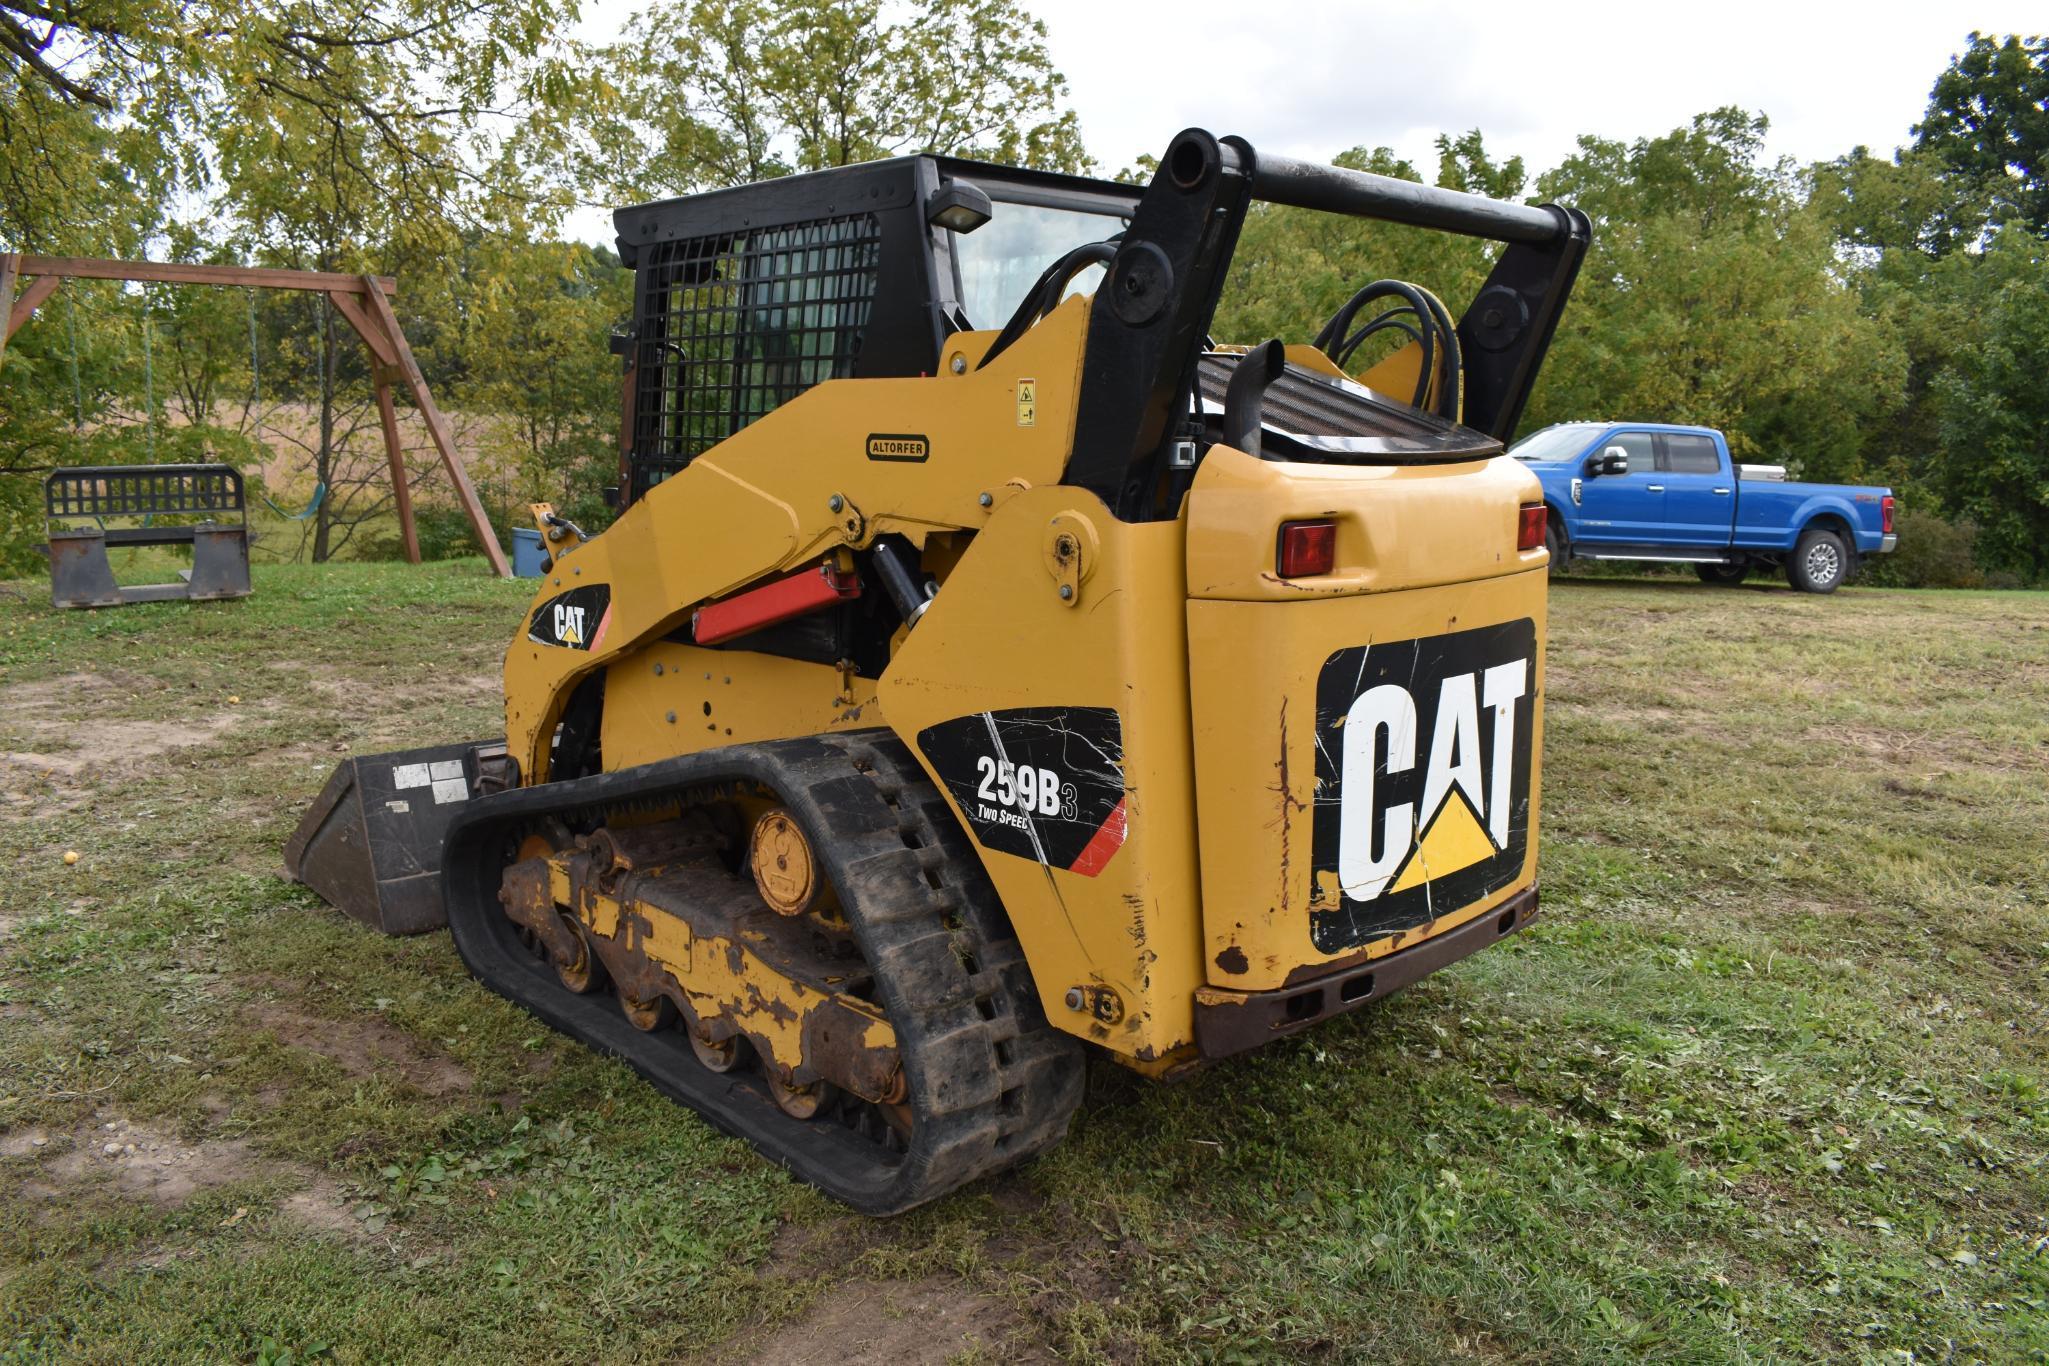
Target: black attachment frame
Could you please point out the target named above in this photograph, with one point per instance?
(80, 573)
(144, 491)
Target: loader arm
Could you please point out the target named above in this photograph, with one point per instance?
(1164, 285)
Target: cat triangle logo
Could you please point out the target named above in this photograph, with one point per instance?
(1453, 841)
(1426, 764)
(569, 624)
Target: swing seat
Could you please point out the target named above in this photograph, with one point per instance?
(80, 574)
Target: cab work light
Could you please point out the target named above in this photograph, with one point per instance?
(1529, 529)
(1306, 549)
(959, 206)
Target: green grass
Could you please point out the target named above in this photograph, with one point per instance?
(1769, 1080)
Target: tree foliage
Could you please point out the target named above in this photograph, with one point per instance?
(1988, 126)
(534, 314)
(1294, 268)
(1993, 460)
(174, 89)
(706, 93)
(1713, 294)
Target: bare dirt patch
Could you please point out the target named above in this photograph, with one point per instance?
(53, 720)
(908, 1323)
(460, 687)
(108, 743)
(323, 1208)
(24, 1143)
(364, 1045)
(800, 1252)
(111, 1153)
(136, 1160)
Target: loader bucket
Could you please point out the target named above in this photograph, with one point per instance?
(371, 843)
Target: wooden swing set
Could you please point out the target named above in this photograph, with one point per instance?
(364, 300)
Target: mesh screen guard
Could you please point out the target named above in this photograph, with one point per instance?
(735, 324)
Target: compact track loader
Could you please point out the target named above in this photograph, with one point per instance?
(986, 665)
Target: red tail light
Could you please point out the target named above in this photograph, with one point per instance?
(1885, 514)
(1529, 530)
(1306, 549)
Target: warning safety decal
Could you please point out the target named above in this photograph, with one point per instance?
(1044, 783)
(575, 620)
(1422, 779)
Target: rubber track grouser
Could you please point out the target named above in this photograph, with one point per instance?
(986, 668)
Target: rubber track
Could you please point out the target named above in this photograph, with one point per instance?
(991, 1083)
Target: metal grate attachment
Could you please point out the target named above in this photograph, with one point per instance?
(734, 325)
(142, 490)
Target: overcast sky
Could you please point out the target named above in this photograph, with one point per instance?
(1313, 77)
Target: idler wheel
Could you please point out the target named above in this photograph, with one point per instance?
(785, 872)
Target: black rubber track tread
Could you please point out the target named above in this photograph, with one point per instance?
(991, 1083)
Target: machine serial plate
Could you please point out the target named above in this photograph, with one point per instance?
(1423, 752)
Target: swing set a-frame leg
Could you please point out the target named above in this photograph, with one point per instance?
(392, 359)
(401, 488)
(437, 427)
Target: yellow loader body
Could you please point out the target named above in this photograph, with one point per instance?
(949, 697)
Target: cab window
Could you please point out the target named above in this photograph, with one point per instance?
(1638, 446)
(1688, 454)
(1003, 258)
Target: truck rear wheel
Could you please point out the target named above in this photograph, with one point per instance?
(1819, 563)
(1555, 543)
(1725, 575)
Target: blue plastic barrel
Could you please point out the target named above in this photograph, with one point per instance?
(527, 553)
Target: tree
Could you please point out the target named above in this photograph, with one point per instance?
(1994, 459)
(536, 358)
(357, 138)
(1988, 125)
(161, 81)
(1713, 294)
(724, 92)
(1897, 223)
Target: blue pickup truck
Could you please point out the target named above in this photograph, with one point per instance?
(1650, 491)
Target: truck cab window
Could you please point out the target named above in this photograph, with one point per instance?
(1688, 454)
(1637, 446)
(1554, 443)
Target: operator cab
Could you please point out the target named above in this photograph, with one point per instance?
(857, 272)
